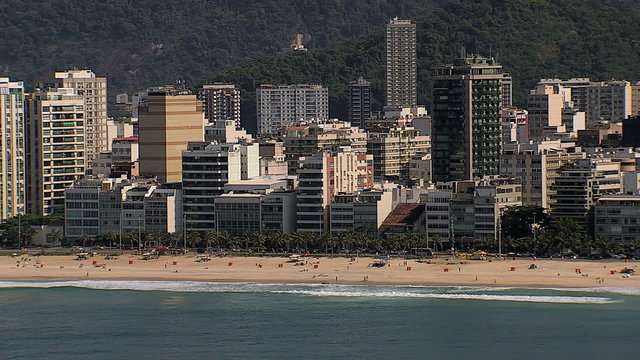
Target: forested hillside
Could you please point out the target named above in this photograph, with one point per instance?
(147, 42)
(532, 39)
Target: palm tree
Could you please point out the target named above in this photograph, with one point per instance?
(54, 237)
(634, 245)
(210, 238)
(437, 240)
(84, 238)
(193, 238)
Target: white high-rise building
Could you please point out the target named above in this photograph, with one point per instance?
(279, 106)
(56, 147)
(94, 91)
(12, 171)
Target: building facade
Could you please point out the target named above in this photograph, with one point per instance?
(206, 168)
(12, 148)
(166, 125)
(401, 64)
(56, 148)
(280, 106)
(577, 188)
(307, 140)
(536, 165)
(393, 150)
(94, 91)
(466, 124)
(359, 102)
(617, 218)
(323, 175)
(220, 102)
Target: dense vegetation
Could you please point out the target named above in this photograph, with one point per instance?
(147, 42)
(532, 39)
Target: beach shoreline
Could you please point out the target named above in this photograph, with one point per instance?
(326, 270)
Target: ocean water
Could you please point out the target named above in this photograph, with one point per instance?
(194, 320)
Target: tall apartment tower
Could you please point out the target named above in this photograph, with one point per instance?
(401, 67)
(220, 102)
(279, 106)
(466, 136)
(166, 124)
(94, 91)
(12, 169)
(55, 147)
(359, 102)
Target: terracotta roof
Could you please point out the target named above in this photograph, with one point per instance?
(298, 127)
(130, 138)
(404, 214)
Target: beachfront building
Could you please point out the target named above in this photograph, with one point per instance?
(466, 123)
(266, 203)
(393, 150)
(93, 90)
(280, 106)
(401, 64)
(220, 102)
(98, 206)
(617, 218)
(578, 187)
(324, 175)
(404, 218)
(166, 124)
(206, 168)
(461, 212)
(12, 148)
(362, 211)
(55, 147)
(536, 165)
(307, 140)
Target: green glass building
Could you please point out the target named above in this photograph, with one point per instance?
(465, 112)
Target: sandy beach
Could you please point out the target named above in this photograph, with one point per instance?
(439, 272)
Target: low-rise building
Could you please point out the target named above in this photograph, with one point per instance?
(617, 218)
(360, 211)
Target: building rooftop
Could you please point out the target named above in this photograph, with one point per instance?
(404, 214)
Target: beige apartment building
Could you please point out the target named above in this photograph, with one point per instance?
(537, 165)
(94, 91)
(545, 105)
(166, 124)
(307, 140)
(56, 149)
(393, 149)
(12, 167)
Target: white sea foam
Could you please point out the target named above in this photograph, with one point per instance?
(602, 289)
(329, 290)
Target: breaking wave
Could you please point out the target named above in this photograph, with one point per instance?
(332, 290)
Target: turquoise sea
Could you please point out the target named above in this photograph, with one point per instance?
(194, 320)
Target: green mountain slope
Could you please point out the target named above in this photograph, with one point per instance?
(532, 39)
(149, 42)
